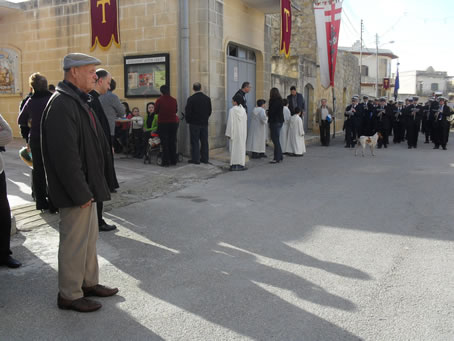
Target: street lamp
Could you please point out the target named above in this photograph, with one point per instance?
(376, 56)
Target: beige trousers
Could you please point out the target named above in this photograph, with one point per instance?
(77, 258)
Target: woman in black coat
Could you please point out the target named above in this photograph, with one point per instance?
(31, 115)
(275, 121)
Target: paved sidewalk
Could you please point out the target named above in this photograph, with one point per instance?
(138, 181)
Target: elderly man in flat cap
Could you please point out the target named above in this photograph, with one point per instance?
(75, 154)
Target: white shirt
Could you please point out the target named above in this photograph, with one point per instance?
(325, 113)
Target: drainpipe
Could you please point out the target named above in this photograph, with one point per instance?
(183, 136)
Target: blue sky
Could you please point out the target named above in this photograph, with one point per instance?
(422, 31)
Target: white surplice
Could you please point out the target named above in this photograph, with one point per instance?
(256, 136)
(283, 137)
(237, 132)
(295, 144)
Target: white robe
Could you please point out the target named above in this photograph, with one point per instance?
(256, 136)
(295, 144)
(283, 137)
(237, 132)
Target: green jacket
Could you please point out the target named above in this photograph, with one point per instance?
(154, 124)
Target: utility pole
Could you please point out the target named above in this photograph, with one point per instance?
(376, 54)
(361, 57)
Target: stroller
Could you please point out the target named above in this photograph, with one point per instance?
(154, 148)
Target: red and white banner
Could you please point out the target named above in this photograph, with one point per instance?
(327, 23)
(286, 26)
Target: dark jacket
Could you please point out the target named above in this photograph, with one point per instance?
(299, 102)
(243, 102)
(275, 111)
(32, 111)
(166, 107)
(198, 109)
(98, 109)
(74, 149)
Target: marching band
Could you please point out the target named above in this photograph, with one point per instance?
(401, 121)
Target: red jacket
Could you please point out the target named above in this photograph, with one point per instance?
(166, 107)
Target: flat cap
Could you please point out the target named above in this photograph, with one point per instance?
(382, 99)
(79, 59)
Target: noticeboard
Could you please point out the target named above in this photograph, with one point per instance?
(144, 75)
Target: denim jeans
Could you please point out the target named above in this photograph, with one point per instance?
(275, 130)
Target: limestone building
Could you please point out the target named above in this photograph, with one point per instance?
(424, 83)
(302, 68)
(218, 43)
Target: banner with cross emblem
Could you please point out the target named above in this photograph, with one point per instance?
(327, 23)
(104, 24)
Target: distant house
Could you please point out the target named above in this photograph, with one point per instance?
(369, 69)
(424, 83)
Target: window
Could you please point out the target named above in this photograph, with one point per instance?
(233, 51)
(434, 86)
(364, 70)
(240, 52)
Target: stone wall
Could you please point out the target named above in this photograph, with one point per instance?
(45, 31)
(302, 65)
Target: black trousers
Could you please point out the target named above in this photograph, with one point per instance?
(350, 135)
(168, 135)
(412, 135)
(324, 132)
(275, 130)
(199, 151)
(137, 135)
(5, 220)
(38, 175)
(99, 208)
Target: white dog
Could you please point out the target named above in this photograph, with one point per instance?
(370, 141)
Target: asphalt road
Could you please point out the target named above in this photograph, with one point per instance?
(325, 247)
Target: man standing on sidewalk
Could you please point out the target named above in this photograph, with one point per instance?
(198, 111)
(321, 118)
(74, 151)
(101, 87)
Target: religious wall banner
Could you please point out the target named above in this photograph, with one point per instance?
(9, 71)
(286, 26)
(386, 83)
(327, 24)
(105, 28)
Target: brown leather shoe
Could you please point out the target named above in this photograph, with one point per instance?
(99, 290)
(83, 305)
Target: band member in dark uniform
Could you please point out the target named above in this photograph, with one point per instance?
(352, 116)
(383, 116)
(414, 114)
(427, 120)
(441, 124)
(369, 122)
(398, 123)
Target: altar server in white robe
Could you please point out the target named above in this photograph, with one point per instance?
(295, 144)
(283, 137)
(237, 133)
(256, 136)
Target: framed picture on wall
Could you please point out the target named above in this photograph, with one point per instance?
(144, 75)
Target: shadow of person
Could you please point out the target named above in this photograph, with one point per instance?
(210, 284)
(28, 303)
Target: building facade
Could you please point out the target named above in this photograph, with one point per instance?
(302, 68)
(218, 43)
(424, 83)
(375, 68)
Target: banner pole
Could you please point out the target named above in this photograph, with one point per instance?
(334, 114)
